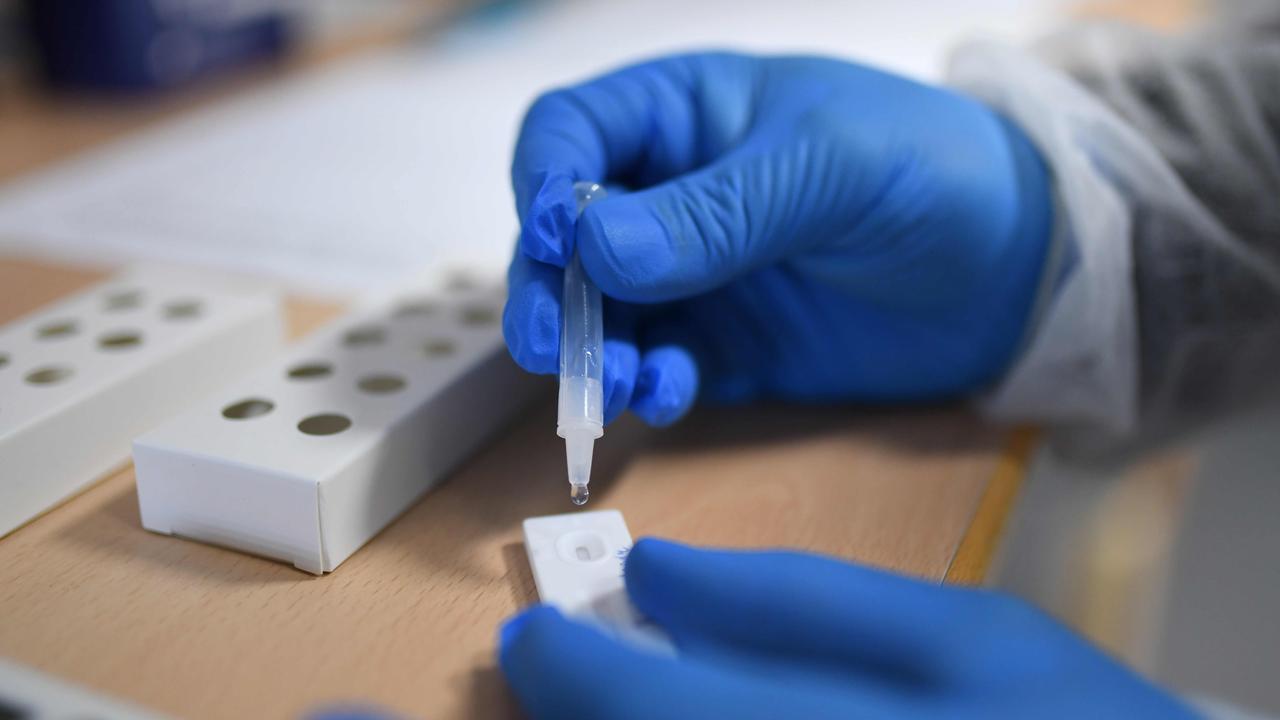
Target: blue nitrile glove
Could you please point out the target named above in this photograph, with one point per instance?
(800, 228)
(789, 635)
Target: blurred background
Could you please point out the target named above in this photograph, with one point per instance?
(336, 147)
(335, 144)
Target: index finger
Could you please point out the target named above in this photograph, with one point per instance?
(564, 669)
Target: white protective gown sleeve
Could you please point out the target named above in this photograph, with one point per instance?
(1161, 301)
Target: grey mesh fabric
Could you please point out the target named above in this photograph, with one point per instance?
(1161, 303)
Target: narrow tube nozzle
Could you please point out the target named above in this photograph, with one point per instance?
(578, 449)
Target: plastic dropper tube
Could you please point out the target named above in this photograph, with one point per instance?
(581, 408)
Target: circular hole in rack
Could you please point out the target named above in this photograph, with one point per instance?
(4, 359)
(48, 375)
(439, 347)
(183, 309)
(310, 371)
(248, 408)
(381, 384)
(57, 329)
(324, 424)
(120, 340)
(416, 308)
(123, 300)
(479, 315)
(364, 336)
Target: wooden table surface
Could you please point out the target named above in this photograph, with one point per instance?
(408, 622)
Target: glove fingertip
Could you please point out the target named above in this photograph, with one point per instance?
(532, 335)
(621, 360)
(647, 558)
(524, 624)
(547, 232)
(648, 550)
(538, 244)
(666, 387)
(531, 317)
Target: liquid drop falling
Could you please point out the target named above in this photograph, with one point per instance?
(579, 494)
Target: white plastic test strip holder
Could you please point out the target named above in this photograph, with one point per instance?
(80, 378)
(308, 458)
(577, 561)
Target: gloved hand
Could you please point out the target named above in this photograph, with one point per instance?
(800, 228)
(788, 635)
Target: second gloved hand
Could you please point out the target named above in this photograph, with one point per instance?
(787, 635)
(801, 228)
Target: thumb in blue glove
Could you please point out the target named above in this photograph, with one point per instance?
(800, 228)
(789, 635)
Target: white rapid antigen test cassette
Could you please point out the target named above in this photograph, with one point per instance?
(81, 378)
(578, 560)
(310, 457)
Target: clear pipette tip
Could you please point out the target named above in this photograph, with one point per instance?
(578, 447)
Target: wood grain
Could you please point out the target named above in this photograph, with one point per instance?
(408, 621)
